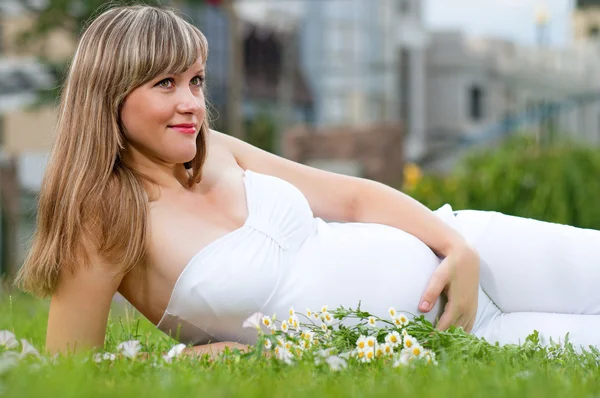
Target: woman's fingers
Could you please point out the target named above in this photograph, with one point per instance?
(437, 283)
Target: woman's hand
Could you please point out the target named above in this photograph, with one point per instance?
(458, 276)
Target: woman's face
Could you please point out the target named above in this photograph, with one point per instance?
(162, 117)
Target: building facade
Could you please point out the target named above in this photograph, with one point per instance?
(365, 64)
(479, 90)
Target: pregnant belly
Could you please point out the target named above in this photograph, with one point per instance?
(343, 264)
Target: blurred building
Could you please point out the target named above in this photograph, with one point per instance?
(263, 60)
(586, 20)
(365, 61)
(479, 90)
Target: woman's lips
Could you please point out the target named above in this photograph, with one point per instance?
(184, 129)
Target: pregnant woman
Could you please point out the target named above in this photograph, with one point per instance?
(199, 230)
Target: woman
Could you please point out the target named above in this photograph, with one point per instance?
(197, 250)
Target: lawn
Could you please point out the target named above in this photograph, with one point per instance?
(466, 367)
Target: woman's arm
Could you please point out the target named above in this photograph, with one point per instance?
(79, 308)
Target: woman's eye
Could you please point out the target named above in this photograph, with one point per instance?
(197, 80)
(164, 83)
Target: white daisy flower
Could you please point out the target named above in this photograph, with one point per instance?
(308, 335)
(387, 349)
(324, 308)
(409, 341)
(253, 321)
(370, 342)
(324, 327)
(361, 343)
(267, 344)
(308, 312)
(284, 326)
(417, 351)
(360, 354)
(379, 352)
(280, 341)
(327, 318)
(401, 320)
(130, 348)
(430, 357)
(368, 356)
(176, 351)
(315, 316)
(28, 349)
(291, 311)
(8, 340)
(372, 322)
(293, 321)
(392, 312)
(266, 320)
(393, 339)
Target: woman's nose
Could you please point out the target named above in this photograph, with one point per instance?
(188, 102)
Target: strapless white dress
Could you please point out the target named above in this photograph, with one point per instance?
(283, 256)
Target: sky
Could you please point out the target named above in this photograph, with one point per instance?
(510, 19)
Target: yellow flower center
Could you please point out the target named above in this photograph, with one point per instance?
(371, 343)
(409, 343)
(361, 344)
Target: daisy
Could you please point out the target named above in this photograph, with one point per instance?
(324, 308)
(130, 349)
(372, 322)
(308, 312)
(370, 341)
(387, 349)
(401, 320)
(379, 351)
(324, 327)
(393, 339)
(284, 326)
(292, 312)
(268, 344)
(327, 317)
(416, 350)
(368, 356)
(409, 341)
(392, 312)
(361, 343)
(266, 320)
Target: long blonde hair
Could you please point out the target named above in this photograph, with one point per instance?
(88, 193)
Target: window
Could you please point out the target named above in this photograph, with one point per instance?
(404, 7)
(476, 103)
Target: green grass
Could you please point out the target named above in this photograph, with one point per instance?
(469, 370)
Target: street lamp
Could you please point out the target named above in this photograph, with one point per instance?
(542, 19)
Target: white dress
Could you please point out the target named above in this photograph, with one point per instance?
(534, 275)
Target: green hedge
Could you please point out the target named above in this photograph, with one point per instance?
(558, 183)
